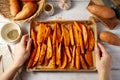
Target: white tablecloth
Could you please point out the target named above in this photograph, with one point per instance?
(77, 12)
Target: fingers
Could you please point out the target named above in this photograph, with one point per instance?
(23, 40)
(103, 50)
(97, 52)
(28, 48)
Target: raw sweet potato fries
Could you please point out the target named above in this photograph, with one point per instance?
(62, 46)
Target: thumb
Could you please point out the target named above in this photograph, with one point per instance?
(23, 39)
(28, 48)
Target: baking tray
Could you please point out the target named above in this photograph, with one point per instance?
(91, 22)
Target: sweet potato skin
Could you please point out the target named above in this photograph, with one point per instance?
(42, 54)
(31, 61)
(64, 61)
(88, 58)
(14, 7)
(91, 39)
(110, 38)
(28, 9)
(84, 65)
(78, 66)
(101, 11)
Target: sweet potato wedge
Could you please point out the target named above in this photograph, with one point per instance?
(85, 35)
(47, 33)
(91, 39)
(33, 37)
(81, 42)
(88, 58)
(59, 33)
(65, 35)
(49, 51)
(42, 54)
(64, 60)
(77, 59)
(41, 33)
(83, 64)
(37, 55)
(53, 64)
(76, 37)
(58, 55)
(73, 58)
(71, 34)
(33, 54)
(54, 38)
(77, 26)
(68, 54)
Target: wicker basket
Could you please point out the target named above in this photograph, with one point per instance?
(5, 11)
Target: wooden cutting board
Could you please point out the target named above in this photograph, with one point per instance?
(116, 2)
(110, 23)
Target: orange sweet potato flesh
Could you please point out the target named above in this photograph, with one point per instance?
(65, 35)
(77, 59)
(41, 33)
(76, 37)
(84, 65)
(42, 54)
(53, 64)
(81, 42)
(59, 33)
(71, 34)
(37, 55)
(91, 39)
(73, 57)
(54, 38)
(58, 54)
(64, 60)
(33, 54)
(68, 54)
(77, 26)
(88, 58)
(85, 35)
(33, 37)
(49, 51)
(47, 33)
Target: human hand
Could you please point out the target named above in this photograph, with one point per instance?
(103, 59)
(22, 51)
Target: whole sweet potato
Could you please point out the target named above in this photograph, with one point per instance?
(14, 7)
(110, 38)
(28, 9)
(101, 11)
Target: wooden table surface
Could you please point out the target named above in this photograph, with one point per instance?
(77, 12)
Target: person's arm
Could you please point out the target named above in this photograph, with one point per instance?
(21, 54)
(103, 62)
